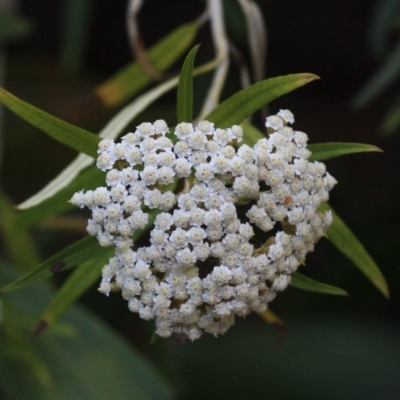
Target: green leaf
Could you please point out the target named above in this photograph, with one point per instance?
(70, 135)
(346, 242)
(386, 75)
(185, 88)
(325, 151)
(133, 78)
(300, 281)
(246, 102)
(251, 134)
(77, 283)
(79, 252)
(391, 121)
(81, 279)
(16, 348)
(90, 178)
(77, 18)
(86, 359)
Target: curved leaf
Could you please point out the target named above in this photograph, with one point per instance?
(325, 151)
(77, 283)
(90, 178)
(300, 281)
(133, 78)
(256, 37)
(246, 102)
(81, 279)
(85, 358)
(185, 88)
(391, 121)
(70, 135)
(110, 131)
(346, 242)
(79, 252)
(386, 75)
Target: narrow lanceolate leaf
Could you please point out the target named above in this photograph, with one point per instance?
(391, 121)
(82, 279)
(79, 252)
(303, 282)
(133, 78)
(325, 151)
(70, 135)
(386, 75)
(113, 128)
(77, 283)
(109, 367)
(246, 102)
(345, 241)
(90, 178)
(185, 88)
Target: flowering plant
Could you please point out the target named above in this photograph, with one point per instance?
(201, 267)
(206, 220)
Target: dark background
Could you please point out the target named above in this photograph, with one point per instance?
(332, 348)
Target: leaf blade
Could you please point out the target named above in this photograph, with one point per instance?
(185, 88)
(244, 103)
(68, 134)
(326, 151)
(347, 243)
(102, 371)
(131, 79)
(90, 178)
(385, 76)
(79, 252)
(81, 280)
(300, 281)
(77, 283)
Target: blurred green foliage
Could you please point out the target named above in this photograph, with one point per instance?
(384, 42)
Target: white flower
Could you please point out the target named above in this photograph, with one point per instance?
(144, 130)
(274, 121)
(183, 130)
(182, 167)
(287, 116)
(204, 172)
(160, 126)
(105, 161)
(207, 259)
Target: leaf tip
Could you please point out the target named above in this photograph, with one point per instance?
(384, 289)
(309, 77)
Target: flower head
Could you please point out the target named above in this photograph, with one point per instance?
(223, 246)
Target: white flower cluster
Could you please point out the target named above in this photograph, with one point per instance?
(224, 245)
